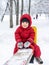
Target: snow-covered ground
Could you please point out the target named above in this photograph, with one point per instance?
(7, 40)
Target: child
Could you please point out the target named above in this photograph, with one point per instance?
(24, 37)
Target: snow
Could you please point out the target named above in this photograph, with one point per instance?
(7, 40)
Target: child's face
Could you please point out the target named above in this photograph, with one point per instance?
(25, 24)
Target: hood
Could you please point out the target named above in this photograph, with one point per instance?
(27, 16)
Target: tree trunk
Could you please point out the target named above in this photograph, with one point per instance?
(17, 12)
(22, 7)
(11, 12)
(15, 2)
(5, 11)
(29, 6)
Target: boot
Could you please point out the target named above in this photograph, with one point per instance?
(39, 60)
(32, 59)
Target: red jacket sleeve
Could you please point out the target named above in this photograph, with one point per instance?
(32, 35)
(17, 35)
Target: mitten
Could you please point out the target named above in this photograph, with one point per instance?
(27, 44)
(20, 45)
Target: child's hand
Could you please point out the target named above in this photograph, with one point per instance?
(20, 45)
(27, 44)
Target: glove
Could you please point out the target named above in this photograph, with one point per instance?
(20, 45)
(27, 44)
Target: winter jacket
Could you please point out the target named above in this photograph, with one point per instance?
(24, 34)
